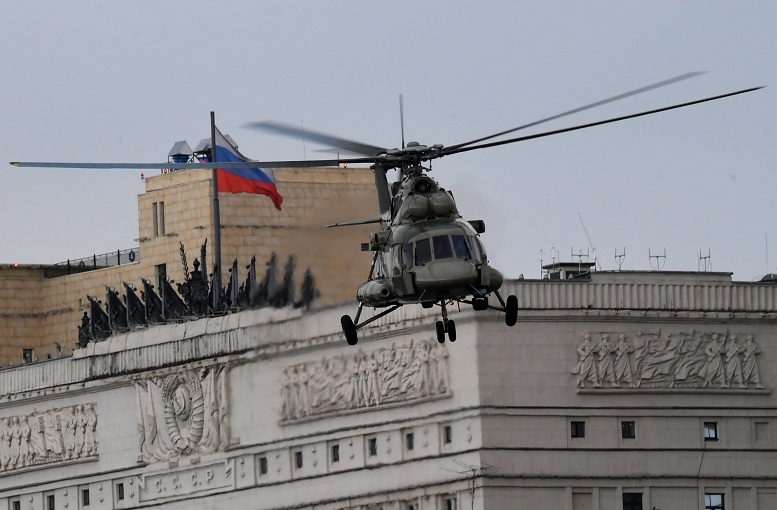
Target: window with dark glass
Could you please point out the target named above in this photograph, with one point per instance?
(710, 431)
(447, 434)
(373, 446)
(460, 249)
(298, 459)
(335, 453)
(262, 465)
(450, 503)
(423, 252)
(442, 247)
(85, 497)
(713, 501)
(408, 256)
(409, 441)
(119, 491)
(628, 430)
(632, 501)
(51, 502)
(578, 428)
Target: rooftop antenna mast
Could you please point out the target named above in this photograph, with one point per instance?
(402, 119)
(596, 261)
(580, 255)
(619, 257)
(659, 258)
(704, 263)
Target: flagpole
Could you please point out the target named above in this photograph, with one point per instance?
(216, 212)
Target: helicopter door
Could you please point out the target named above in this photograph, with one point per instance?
(400, 278)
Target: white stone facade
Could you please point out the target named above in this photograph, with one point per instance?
(666, 379)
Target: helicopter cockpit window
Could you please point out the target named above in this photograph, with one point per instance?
(409, 256)
(460, 249)
(423, 252)
(442, 247)
(477, 249)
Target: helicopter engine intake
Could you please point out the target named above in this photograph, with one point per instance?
(375, 293)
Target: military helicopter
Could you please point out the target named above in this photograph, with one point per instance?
(425, 253)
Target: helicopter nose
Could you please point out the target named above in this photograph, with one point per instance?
(446, 274)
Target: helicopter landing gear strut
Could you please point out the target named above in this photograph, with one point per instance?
(350, 326)
(446, 325)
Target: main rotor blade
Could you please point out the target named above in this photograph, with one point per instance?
(280, 128)
(446, 152)
(586, 107)
(193, 166)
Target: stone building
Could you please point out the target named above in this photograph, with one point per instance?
(615, 390)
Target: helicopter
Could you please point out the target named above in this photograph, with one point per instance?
(425, 252)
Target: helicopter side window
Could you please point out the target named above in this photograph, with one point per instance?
(442, 247)
(460, 247)
(477, 249)
(396, 259)
(409, 256)
(423, 252)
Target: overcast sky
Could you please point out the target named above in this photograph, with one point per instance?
(123, 81)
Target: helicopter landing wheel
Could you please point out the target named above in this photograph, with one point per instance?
(511, 310)
(451, 331)
(440, 332)
(349, 329)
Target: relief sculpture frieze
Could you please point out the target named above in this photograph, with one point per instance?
(182, 413)
(692, 360)
(46, 437)
(405, 373)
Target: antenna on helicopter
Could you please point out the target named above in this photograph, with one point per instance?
(402, 119)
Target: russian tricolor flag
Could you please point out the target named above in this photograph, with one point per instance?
(243, 180)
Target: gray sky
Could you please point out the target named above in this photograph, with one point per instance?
(122, 81)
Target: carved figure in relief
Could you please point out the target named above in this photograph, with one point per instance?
(304, 395)
(90, 443)
(659, 359)
(15, 443)
(6, 437)
(353, 393)
(691, 359)
(733, 363)
(439, 367)
(286, 405)
(320, 383)
(52, 434)
(69, 434)
(713, 369)
(623, 373)
(37, 440)
(750, 366)
(605, 366)
(586, 366)
(80, 430)
(373, 382)
(25, 449)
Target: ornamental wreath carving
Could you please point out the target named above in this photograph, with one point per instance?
(406, 373)
(56, 435)
(672, 360)
(182, 413)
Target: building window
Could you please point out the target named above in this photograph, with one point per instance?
(713, 501)
(84, 497)
(298, 459)
(16, 505)
(119, 491)
(409, 505)
(447, 434)
(50, 502)
(628, 430)
(409, 441)
(28, 355)
(632, 501)
(335, 453)
(710, 431)
(578, 428)
(449, 503)
(161, 276)
(372, 445)
(262, 465)
(158, 218)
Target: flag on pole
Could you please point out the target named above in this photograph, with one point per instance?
(243, 180)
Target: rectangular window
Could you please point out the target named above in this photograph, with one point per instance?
(161, 275)
(449, 503)
(447, 434)
(262, 465)
(158, 218)
(50, 502)
(28, 355)
(632, 501)
(628, 430)
(373, 446)
(298, 459)
(423, 252)
(119, 491)
(84, 497)
(578, 429)
(16, 505)
(335, 453)
(409, 441)
(713, 501)
(409, 505)
(710, 431)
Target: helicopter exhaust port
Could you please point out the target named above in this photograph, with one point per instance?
(375, 293)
